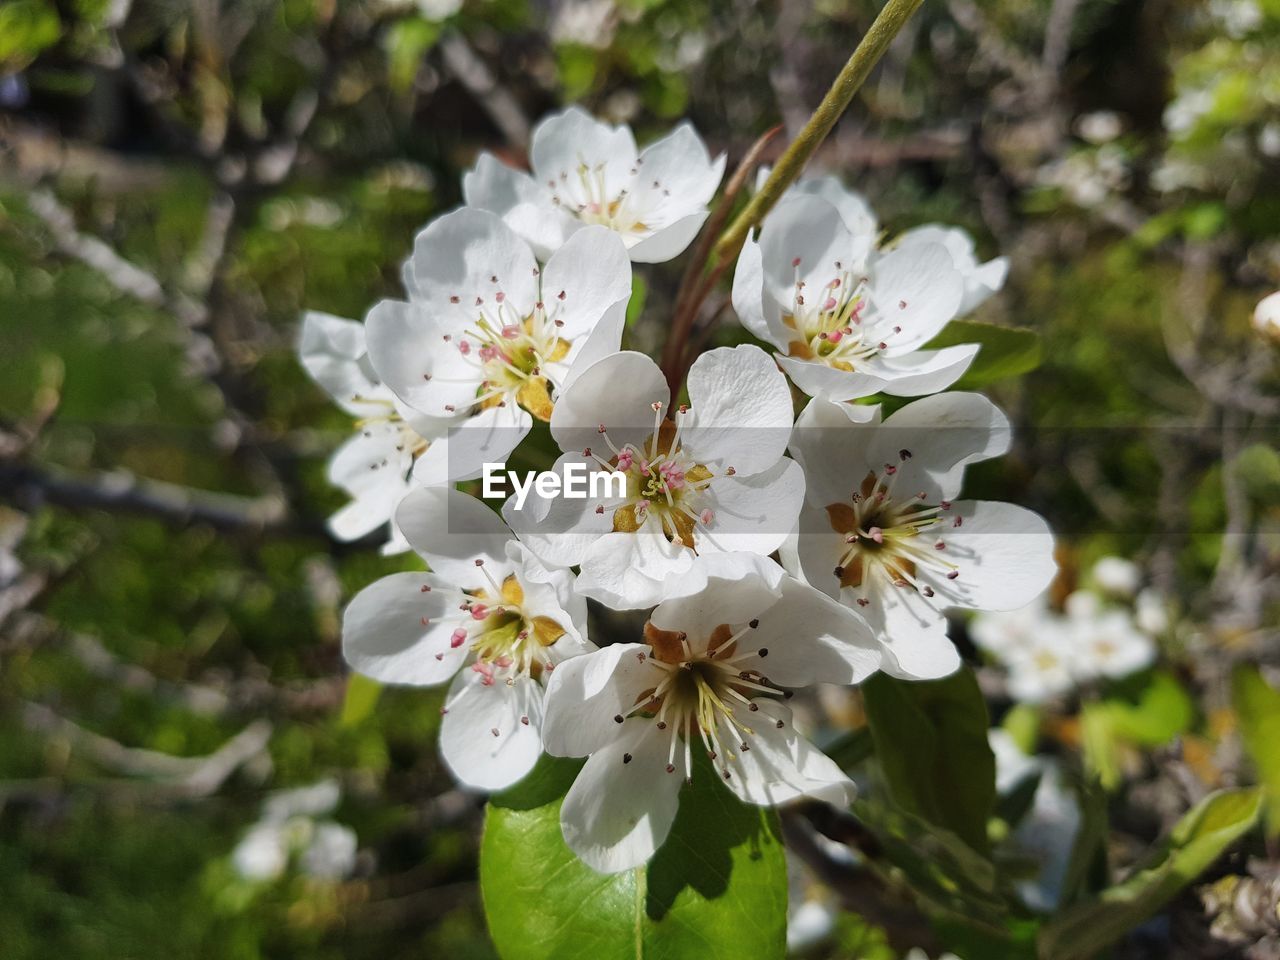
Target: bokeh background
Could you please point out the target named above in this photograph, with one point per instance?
(180, 179)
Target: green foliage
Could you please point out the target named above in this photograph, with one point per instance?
(1196, 842)
(716, 889)
(1149, 716)
(1257, 704)
(931, 741)
(26, 28)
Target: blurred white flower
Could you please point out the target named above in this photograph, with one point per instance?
(588, 172)
(1266, 316)
(331, 855)
(1100, 126)
(1185, 111)
(1269, 140)
(1238, 18)
(1117, 576)
(809, 923)
(1151, 612)
(1045, 668)
(1047, 832)
(13, 527)
(439, 9)
(1106, 643)
(289, 828)
(1089, 176)
(589, 23)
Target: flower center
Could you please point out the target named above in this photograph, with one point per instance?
(701, 686)
(408, 437)
(664, 483)
(829, 326)
(506, 640)
(587, 196)
(511, 353)
(884, 536)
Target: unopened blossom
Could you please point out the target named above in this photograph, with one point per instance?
(489, 617)
(845, 323)
(709, 676)
(883, 532)
(375, 466)
(586, 172)
(488, 338)
(707, 477)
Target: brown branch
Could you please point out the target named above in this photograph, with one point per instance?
(123, 492)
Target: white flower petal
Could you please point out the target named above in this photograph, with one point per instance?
(587, 693)
(455, 261)
(676, 176)
(451, 531)
(618, 392)
(487, 436)
(741, 409)
(617, 814)
(626, 571)
(819, 380)
(811, 638)
(748, 297)
(810, 230)
(669, 241)
(1004, 554)
(917, 288)
(489, 736)
(566, 141)
(924, 371)
(593, 273)
(828, 443)
(752, 514)
(728, 588)
(411, 355)
(781, 765)
(332, 351)
(383, 635)
(942, 434)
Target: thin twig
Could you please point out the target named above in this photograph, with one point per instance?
(474, 74)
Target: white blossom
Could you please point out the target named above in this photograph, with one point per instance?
(848, 324)
(489, 617)
(1117, 576)
(488, 338)
(710, 674)
(375, 465)
(709, 477)
(585, 172)
(882, 531)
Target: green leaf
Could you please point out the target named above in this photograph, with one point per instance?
(407, 43)
(1195, 843)
(1257, 704)
(931, 738)
(1006, 351)
(1151, 716)
(360, 699)
(26, 28)
(1161, 712)
(716, 889)
(1259, 467)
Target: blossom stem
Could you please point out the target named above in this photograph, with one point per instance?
(890, 21)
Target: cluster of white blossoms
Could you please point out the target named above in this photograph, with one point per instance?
(1105, 633)
(772, 554)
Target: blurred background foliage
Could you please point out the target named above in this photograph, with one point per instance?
(179, 180)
